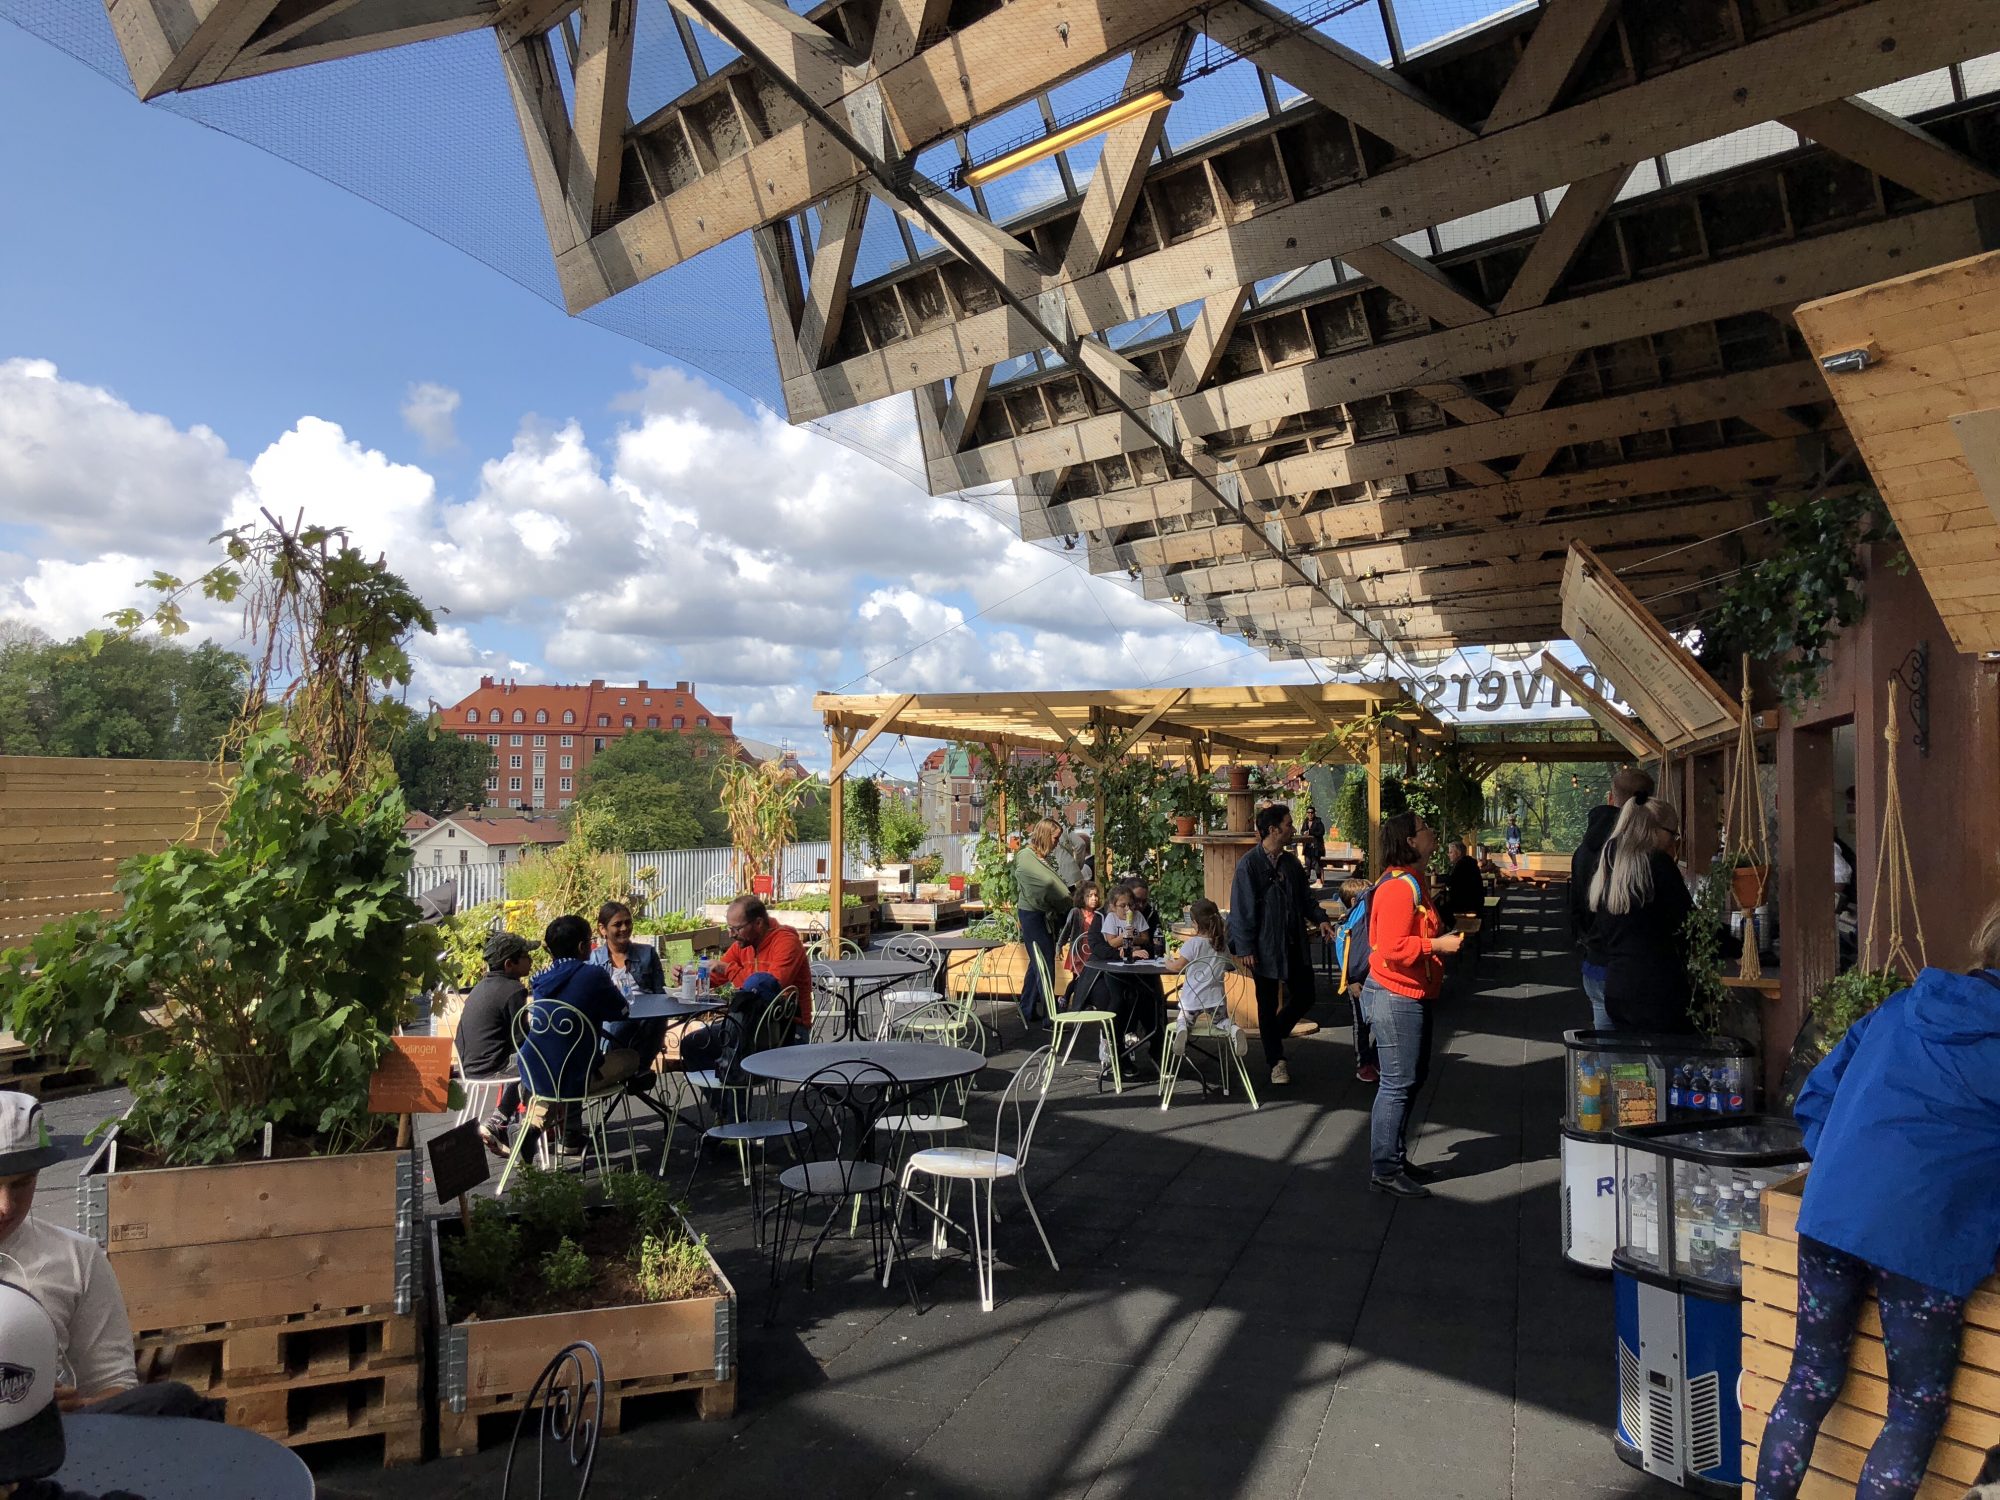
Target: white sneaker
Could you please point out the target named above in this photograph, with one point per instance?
(1239, 1040)
(1280, 1074)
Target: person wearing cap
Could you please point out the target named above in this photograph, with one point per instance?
(66, 1272)
(486, 1028)
(31, 1431)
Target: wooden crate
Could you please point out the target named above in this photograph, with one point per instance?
(487, 1366)
(40, 1074)
(1770, 1311)
(307, 1379)
(198, 1247)
(928, 914)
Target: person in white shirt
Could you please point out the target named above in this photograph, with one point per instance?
(68, 1273)
(1201, 962)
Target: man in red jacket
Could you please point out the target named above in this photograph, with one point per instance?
(762, 946)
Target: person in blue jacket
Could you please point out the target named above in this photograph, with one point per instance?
(1902, 1121)
(558, 1060)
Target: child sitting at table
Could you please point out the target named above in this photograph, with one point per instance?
(1200, 963)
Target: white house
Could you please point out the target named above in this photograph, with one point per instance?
(474, 839)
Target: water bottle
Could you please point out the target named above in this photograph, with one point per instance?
(1683, 1217)
(688, 977)
(1751, 1211)
(1677, 1086)
(1701, 1235)
(1645, 1230)
(1719, 1086)
(701, 978)
(1728, 1238)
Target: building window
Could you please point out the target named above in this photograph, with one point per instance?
(680, 703)
(541, 716)
(565, 785)
(513, 785)
(450, 832)
(514, 740)
(649, 702)
(568, 740)
(598, 743)
(541, 761)
(493, 716)
(493, 740)
(538, 783)
(700, 722)
(628, 721)
(541, 741)
(437, 856)
(472, 716)
(679, 722)
(604, 721)
(513, 762)
(652, 721)
(465, 856)
(493, 783)
(519, 717)
(569, 716)
(568, 762)
(563, 803)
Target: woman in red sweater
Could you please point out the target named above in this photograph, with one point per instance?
(1406, 948)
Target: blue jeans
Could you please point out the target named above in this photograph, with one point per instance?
(1401, 1029)
(1593, 990)
(1922, 1327)
(1036, 936)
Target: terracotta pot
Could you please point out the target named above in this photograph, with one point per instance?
(1239, 778)
(1748, 883)
(1184, 824)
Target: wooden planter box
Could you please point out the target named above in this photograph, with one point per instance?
(704, 938)
(488, 1366)
(283, 1288)
(1770, 1312)
(867, 890)
(921, 913)
(856, 920)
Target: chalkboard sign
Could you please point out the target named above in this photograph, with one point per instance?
(459, 1162)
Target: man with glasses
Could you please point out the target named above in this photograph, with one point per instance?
(758, 945)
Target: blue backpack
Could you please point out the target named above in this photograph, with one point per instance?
(1351, 941)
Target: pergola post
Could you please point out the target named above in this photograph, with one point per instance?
(836, 828)
(998, 754)
(1375, 803)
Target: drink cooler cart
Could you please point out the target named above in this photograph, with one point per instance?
(1687, 1191)
(1619, 1078)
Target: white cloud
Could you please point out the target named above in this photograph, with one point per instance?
(430, 411)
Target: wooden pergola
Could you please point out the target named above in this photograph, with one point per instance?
(1204, 726)
(1349, 373)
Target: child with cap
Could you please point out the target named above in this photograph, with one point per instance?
(486, 1028)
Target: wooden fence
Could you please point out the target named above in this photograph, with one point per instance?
(66, 823)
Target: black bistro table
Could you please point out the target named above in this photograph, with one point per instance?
(1143, 1049)
(859, 978)
(178, 1458)
(673, 1008)
(914, 1065)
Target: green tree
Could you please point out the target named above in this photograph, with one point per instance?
(654, 783)
(128, 697)
(440, 772)
(812, 819)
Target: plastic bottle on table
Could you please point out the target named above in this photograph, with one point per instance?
(701, 978)
(688, 977)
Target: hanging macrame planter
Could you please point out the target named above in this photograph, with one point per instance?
(1746, 836)
(1895, 883)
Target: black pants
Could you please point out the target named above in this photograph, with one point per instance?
(1036, 935)
(1281, 1005)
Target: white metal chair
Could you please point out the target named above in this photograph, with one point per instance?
(1204, 972)
(913, 947)
(980, 1168)
(555, 1042)
(482, 1095)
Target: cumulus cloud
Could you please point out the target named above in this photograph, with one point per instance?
(430, 411)
(684, 537)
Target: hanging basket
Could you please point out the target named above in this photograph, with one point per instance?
(1748, 883)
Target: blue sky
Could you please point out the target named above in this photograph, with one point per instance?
(194, 327)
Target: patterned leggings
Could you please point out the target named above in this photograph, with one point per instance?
(1921, 1326)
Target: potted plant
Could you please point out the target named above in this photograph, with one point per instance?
(902, 834)
(245, 994)
(1846, 998)
(513, 1281)
(1748, 880)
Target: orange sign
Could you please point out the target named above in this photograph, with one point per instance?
(413, 1078)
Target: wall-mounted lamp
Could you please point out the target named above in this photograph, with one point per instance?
(1848, 361)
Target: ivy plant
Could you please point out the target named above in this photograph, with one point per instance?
(1789, 607)
(1846, 998)
(1703, 939)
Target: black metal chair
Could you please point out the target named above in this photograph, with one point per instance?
(837, 1110)
(567, 1404)
(746, 1110)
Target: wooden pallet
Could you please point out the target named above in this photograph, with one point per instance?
(926, 914)
(306, 1379)
(461, 1432)
(1770, 1309)
(36, 1073)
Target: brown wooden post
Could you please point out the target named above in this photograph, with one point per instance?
(1375, 803)
(997, 754)
(1804, 886)
(836, 827)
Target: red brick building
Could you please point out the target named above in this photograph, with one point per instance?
(542, 738)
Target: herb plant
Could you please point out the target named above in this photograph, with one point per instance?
(671, 1265)
(483, 1258)
(1846, 998)
(566, 1270)
(553, 1204)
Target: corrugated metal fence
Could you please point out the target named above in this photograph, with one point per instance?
(685, 878)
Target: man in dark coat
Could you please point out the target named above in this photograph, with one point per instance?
(1271, 918)
(1629, 783)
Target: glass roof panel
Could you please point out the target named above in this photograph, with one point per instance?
(1912, 96)
(1982, 75)
(1732, 150)
(1432, 23)
(1489, 224)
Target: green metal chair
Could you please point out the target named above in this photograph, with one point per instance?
(1173, 1048)
(552, 1039)
(1073, 1023)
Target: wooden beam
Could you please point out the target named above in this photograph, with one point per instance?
(839, 742)
(823, 64)
(290, 19)
(1127, 151)
(1374, 97)
(1206, 340)
(553, 163)
(869, 735)
(296, 37)
(1748, 283)
(1418, 282)
(1564, 37)
(968, 394)
(904, 28)
(1893, 148)
(1147, 721)
(1575, 220)
(1066, 736)
(221, 38)
(840, 220)
(1793, 69)
(603, 77)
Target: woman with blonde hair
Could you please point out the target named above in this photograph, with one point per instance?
(1043, 903)
(1639, 908)
(1902, 1121)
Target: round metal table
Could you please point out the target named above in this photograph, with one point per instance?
(1148, 1026)
(177, 1458)
(673, 1008)
(914, 1065)
(963, 942)
(861, 977)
